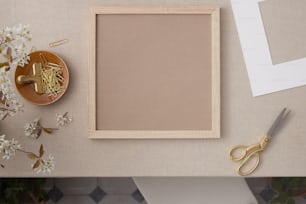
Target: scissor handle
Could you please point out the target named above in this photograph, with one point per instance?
(243, 169)
(247, 153)
(243, 151)
(238, 152)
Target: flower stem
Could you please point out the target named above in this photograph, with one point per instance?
(6, 41)
(4, 116)
(7, 109)
(23, 151)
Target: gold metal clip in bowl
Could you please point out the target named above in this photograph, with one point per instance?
(36, 78)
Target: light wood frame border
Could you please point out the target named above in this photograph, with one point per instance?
(214, 11)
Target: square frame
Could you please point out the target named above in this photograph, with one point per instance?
(214, 12)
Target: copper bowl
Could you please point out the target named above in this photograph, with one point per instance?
(27, 91)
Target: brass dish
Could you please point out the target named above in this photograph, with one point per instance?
(27, 91)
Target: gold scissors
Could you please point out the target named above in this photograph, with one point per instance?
(246, 154)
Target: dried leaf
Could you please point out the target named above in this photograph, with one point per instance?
(39, 133)
(41, 151)
(1, 94)
(9, 52)
(49, 130)
(36, 164)
(38, 122)
(32, 156)
(4, 64)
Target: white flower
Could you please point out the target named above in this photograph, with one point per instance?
(63, 120)
(47, 166)
(12, 44)
(13, 48)
(8, 147)
(6, 87)
(10, 105)
(33, 129)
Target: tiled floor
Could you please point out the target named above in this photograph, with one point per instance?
(263, 192)
(124, 191)
(93, 191)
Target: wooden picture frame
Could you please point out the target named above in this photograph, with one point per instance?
(171, 43)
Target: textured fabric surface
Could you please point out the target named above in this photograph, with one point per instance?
(244, 119)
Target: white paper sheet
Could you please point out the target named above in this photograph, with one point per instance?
(263, 75)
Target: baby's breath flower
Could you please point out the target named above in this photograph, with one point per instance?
(33, 129)
(13, 44)
(47, 165)
(8, 147)
(63, 119)
(10, 104)
(13, 50)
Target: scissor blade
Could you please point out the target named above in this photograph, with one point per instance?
(278, 122)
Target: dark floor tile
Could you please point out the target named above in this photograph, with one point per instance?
(267, 194)
(55, 194)
(138, 196)
(97, 194)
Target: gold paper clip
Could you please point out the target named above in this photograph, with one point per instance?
(43, 59)
(57, 43)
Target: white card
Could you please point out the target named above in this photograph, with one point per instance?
(264, 77)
